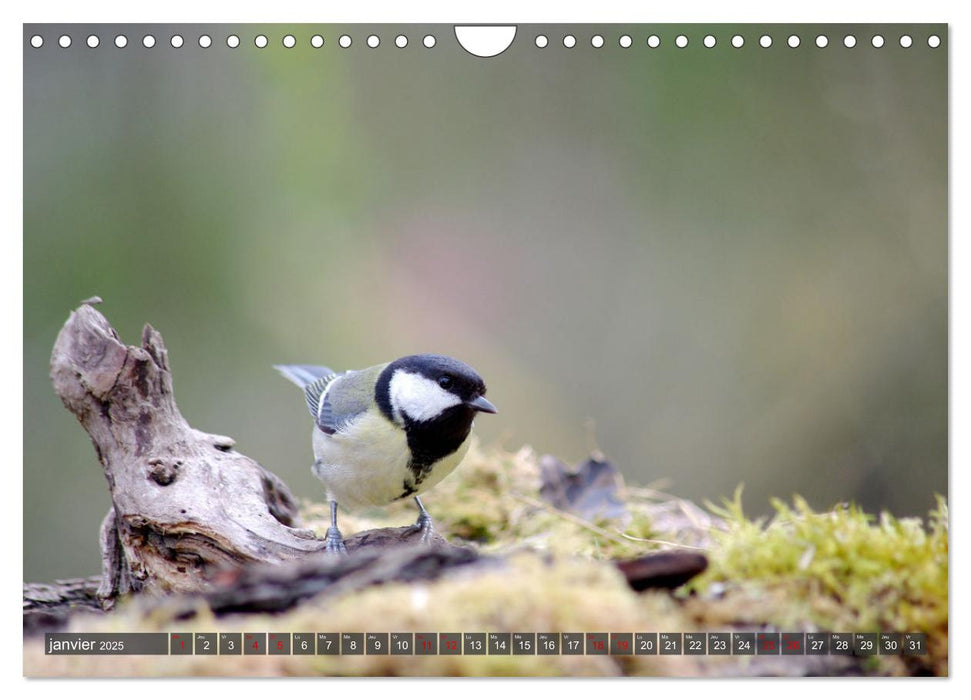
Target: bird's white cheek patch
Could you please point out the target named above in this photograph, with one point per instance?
(418, 397)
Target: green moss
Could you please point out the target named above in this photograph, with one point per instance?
(840, 570)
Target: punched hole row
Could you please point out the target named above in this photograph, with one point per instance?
(625, 41)
(260, 41)
(541, 41)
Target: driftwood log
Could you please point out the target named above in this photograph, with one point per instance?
(49, 606)
(185, 504)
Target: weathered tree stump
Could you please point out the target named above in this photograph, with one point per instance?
(185, 504)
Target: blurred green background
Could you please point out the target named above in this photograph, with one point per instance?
(718, 265)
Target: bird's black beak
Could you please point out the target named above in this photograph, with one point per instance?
(481, 404)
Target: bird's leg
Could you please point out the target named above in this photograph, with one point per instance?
(335, 541)
(424, 523)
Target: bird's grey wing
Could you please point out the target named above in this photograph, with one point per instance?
(350, 395)
(312, 379)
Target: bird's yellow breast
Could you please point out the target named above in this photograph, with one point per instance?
(367, 463)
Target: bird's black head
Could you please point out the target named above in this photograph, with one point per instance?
(434, 399)
(427, 388)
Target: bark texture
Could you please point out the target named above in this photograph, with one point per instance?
(185, 504)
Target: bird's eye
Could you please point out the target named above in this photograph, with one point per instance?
(445, 382)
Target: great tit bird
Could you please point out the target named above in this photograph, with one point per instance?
(390, 431)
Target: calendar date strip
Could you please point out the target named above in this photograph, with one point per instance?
(859, 644)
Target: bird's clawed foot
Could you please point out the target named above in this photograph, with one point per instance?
(425, 526)
(334, 542)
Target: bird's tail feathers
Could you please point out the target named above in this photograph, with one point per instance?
(303, 375)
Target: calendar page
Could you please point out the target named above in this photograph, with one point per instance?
(625, 349)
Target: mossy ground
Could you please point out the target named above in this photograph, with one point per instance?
(840, 570)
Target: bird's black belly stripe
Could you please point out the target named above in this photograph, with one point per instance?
(409, 489)
(430, 441)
